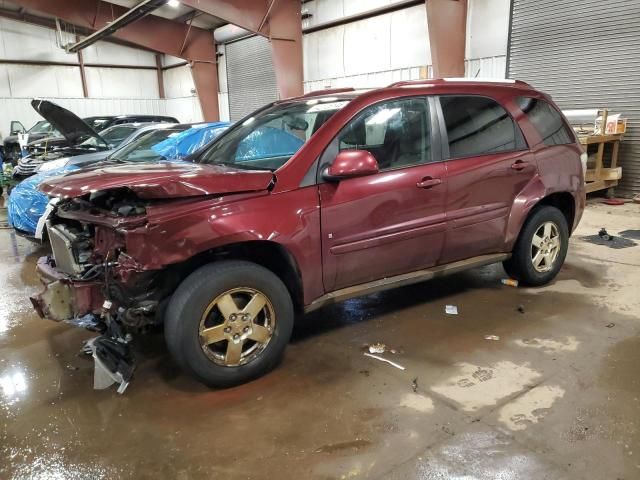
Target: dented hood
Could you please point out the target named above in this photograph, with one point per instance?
(159, 180)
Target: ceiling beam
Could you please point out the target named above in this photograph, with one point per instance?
(141, 10)
(21, 16)
(151, 32)
(247, 14)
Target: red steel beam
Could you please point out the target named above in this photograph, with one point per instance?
(447, 22)
(155, 33)
(248, 14)
(205, 76)
(286, 47)
(152, 32)
(279, 21)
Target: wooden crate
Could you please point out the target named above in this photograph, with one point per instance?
(599, 178)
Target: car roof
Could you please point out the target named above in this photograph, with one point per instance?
(348, 93)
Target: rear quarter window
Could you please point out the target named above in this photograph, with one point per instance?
(546, 120)
(479, 125)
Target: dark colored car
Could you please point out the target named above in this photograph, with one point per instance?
(371, 190)
(79, 136)
(11, 144)
(98, 124)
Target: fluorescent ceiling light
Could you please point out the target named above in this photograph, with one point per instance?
(173, 3)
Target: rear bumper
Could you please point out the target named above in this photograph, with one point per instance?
(64, 298)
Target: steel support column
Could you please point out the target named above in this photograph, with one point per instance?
(447, 22)
(277, 20)
(205, 77)
(286, 47)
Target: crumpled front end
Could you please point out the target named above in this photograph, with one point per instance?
(63, 297)
(90, 266)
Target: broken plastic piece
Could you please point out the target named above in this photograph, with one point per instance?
(414, 384)
(88, 321)
(492, 337)
(393, 364)
(610, 325)
(451, 310)
(113, 363)
(511, 282)
(521, 308)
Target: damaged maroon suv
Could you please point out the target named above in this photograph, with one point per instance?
(307, 202)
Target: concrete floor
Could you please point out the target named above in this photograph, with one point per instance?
(557, 396)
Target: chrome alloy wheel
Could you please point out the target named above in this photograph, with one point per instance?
(237, 326)
(545, 247)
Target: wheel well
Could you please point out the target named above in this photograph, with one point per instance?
(564, 202)
(270, 255)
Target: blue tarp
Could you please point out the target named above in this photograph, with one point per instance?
(185, 143)
(267, 142)
(27, 204)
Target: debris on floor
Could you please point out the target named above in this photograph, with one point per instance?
(605, 235)
(451, 310)
(614, 202)
(605, 238)
(511, 282)
(520, 308)
(377, 357)
(380, 348)
(610, 325)
(414, 385)
(492, 337)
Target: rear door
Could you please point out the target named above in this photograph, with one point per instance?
(392, 222)
(488, 164)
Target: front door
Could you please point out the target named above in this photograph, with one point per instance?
(488, 165)
(391, 222)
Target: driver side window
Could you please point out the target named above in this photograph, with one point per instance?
(396, 133)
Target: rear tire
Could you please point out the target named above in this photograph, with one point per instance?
(229, 322)
(541, 248)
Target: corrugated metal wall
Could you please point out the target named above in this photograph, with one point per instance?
(586, 54)
(251, 79)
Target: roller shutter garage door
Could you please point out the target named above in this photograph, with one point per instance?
(251, 79)
(586, 54)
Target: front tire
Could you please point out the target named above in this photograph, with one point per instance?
(541, 248)
(229, 322)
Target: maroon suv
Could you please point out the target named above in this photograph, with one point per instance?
(310, 201)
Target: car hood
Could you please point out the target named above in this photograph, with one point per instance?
(70, 126)
(159, 180)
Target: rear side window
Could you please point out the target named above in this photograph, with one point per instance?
(396, 133)
(546, 120)
(479, 126)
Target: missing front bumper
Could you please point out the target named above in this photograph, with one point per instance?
(64, 298)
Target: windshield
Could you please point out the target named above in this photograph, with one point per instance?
(112, 135)
(168, 144)
(269, 139)
(98, 123)
(142, 149)
(43, 127)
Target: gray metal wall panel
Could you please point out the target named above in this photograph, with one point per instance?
(250, 75)
(586, 54)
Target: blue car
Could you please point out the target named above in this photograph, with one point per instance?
(27, 206)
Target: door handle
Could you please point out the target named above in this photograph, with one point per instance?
(428, 182)
(519, 165)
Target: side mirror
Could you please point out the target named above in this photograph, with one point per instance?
(351, 163)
